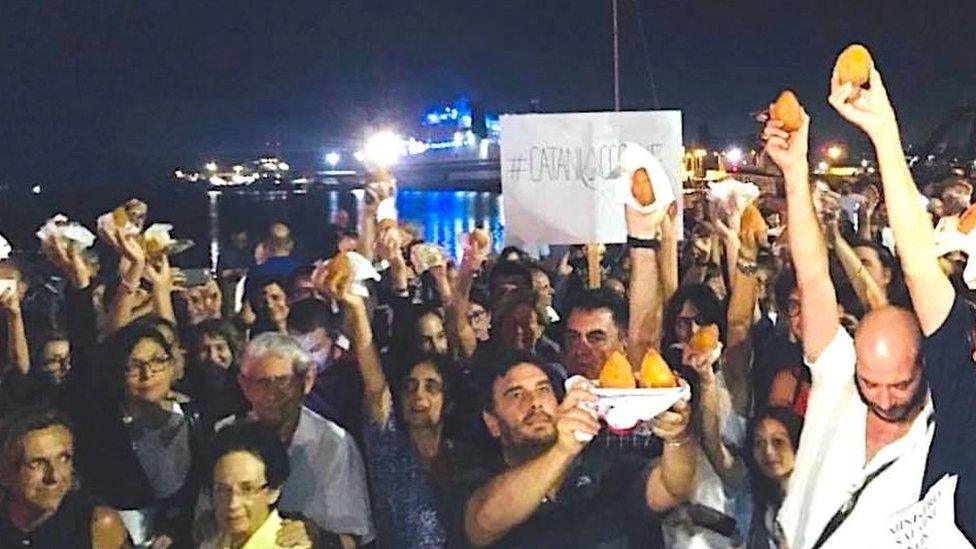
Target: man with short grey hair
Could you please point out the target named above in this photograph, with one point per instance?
(328, 481)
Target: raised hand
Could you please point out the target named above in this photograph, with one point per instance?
(871, 110)
(788, 150)
(67, 259)
(10, 301)
(645, 226)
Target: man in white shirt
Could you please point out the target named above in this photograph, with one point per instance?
(327, 483)
(867, 427)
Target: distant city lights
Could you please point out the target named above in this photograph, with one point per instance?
(36, 189)
(333, 158)
(211, 166)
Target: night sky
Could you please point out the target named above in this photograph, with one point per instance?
(99, 83)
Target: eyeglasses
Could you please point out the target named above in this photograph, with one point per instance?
(246, 490)
(154, 365)
(274, 383)
(477, 315)
(59, 362)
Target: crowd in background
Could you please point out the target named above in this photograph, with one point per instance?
(409, 400)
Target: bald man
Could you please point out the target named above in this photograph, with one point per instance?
(867, 431)
(273, 254)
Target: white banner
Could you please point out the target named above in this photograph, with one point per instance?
(559, 179)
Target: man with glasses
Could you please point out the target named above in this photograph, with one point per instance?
(328, 480)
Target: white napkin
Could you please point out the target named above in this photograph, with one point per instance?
(949, 239)
(632, 158)
(59, 227)
(732, 194)
(5, 248)
(362, 270)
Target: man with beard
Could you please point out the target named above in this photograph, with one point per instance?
(549, 489)
(868, 422)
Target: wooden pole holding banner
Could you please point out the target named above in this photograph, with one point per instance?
(593, 265)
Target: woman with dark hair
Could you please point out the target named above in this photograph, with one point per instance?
(141, 446)
(690, 308)
(774, 436)
(412, 461)
(268, 301)
(247, 470)
(211, 374)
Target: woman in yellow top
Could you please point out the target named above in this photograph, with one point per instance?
(250, 465)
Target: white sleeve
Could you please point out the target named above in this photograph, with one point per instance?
(346, 498)
(836, 362)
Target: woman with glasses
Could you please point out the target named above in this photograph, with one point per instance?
(249, 466)
(141, 444)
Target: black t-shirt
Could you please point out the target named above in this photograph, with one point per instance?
(951, 375)
(601, 504)
(70, 526)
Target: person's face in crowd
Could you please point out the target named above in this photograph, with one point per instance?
(480, 320)
(591, 335)
(148, 372)
(615, 285)
(873, 265)
(347, 244)
(773, 450)
(239, 240)
(889, 380)
(433, 338)
(543, 288)
(320, 345)
(687, 322)
(56, 359)
(936, 208)
(701, 249)
(523, 408)
(521, 329)
(241, 496)
(793, 314)
(275, 303)
(214, 349)
(176, 348)
(422, 404)
(341, 219)
(273, 389)
(301, 288)
(956, 198)
(507, 284)
(203, 302)
(45, 471)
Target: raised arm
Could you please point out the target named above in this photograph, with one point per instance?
(727, 465)
(742, 306)
(458, 326)
(931, 291)
(131, 266)
(818, 301)
(646, 293)
(18, 355)
(510, 498)
(869, 292)
(161, 278)
(376, 398)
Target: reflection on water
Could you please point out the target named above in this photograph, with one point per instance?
(447, 215)
(443, 216)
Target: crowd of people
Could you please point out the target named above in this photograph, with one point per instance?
(415, 402)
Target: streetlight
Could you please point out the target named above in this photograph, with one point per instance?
(835, 152)
(211, 166)
(734, 155)
(383, 148)
(333, 158)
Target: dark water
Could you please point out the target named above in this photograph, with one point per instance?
(443, 216)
